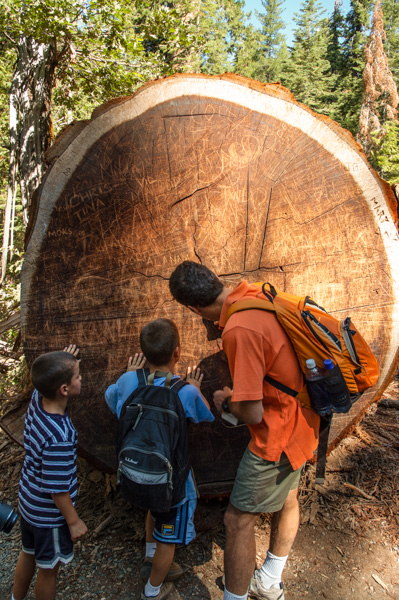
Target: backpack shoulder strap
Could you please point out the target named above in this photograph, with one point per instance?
(142, 376)
(248, 304)
(179, 384)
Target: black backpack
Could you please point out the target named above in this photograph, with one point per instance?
(152, 444)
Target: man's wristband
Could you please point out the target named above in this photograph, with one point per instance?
(225, 407)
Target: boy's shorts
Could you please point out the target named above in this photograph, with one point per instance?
(49, 545)
(262, 486)
(177, 525)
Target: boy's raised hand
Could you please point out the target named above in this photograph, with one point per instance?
(72, 349)
(136, 362)
(194, 376)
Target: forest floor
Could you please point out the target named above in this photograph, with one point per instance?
(347, 547)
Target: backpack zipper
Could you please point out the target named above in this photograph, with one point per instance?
(307, 317)
(346, 333)
(161, 456)
(150, 407)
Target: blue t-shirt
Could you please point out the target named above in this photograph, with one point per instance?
(50, 442)
(194, 408)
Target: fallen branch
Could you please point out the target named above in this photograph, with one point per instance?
(103, 525)
(12, 321)
(359, 491)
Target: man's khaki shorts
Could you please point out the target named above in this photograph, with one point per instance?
(262, 486)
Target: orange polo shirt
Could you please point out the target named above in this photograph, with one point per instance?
(256, 345)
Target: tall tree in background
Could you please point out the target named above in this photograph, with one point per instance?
(308, 74)
(225, 30)
(378, 117)
(349, 87)
(336, 34)
(390, 9)
(246, 54)
(272, 47)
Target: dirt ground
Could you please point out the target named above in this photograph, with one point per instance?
(347, 547)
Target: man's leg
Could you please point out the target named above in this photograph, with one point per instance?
(46, 583)
(24, 572)
(240, 549)
(284, 527)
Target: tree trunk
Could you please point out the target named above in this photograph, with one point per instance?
(35, 72)
(30, 126)
(222, 170)
(12, 179)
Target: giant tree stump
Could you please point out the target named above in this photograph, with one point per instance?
(222, 170)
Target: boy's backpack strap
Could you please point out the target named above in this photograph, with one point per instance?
(168, 378)
(178, 384)
(142, 376)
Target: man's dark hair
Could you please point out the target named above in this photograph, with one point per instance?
(50, 371)
(158, 340)
(193, 284)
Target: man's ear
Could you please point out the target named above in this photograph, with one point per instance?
(195, 310)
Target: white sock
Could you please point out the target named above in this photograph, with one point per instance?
(12, 597)
(150, 548)
(229, 596)
(151, 590)
(272, 570)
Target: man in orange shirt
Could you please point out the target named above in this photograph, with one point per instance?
(283, 434)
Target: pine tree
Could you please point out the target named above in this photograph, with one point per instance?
(390, 9)
(349, 87)
(272, 40)
(308, 74)
(378, 116)
(246, 51)
(336, 34)
(223, 25)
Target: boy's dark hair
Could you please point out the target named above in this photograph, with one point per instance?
(50, 371)
(158, 340)
(193, 284)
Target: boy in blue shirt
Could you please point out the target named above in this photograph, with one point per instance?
(160, 345)
(48, 484)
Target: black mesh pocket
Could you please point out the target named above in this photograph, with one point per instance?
(330, 393)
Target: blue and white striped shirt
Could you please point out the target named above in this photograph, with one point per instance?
(50, 442)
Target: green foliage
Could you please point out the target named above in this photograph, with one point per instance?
(349, 86)
(104, 48)
(272, 49)
(385, 155)
(227, 37)
(308, 72)
(390, 10)
(7, 58)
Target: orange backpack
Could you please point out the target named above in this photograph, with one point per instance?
(314, 333)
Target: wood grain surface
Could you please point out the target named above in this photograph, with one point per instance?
(221, 170)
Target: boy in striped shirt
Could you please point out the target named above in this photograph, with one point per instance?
(48, 484)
